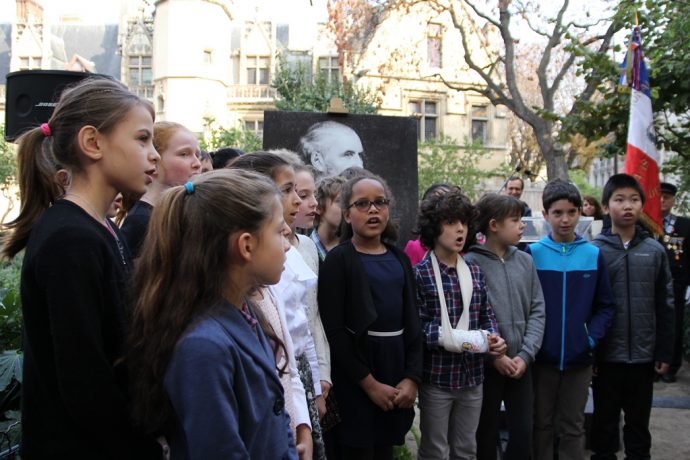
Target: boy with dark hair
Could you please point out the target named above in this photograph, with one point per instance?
(516, 298)
(458, 326)
(641, 338)
(325, 233)
(579, 308)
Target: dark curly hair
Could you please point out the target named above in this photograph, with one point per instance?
(437, 210)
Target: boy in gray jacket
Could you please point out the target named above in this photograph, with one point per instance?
(640, 341)
(515, 293)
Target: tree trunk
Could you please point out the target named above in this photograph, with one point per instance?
(556, 165)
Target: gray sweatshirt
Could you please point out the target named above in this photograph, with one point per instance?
(516, 297)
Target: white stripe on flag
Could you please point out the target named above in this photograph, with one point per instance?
(641, 132)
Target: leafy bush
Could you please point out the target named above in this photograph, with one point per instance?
(215, 137)
(10, 305)
(444, 160)
(299, 91)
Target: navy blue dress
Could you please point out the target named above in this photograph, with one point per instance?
(364, 424)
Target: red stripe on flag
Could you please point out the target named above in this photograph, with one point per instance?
(646, 171)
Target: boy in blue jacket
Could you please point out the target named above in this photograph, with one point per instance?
(642, 335)
(579, 310)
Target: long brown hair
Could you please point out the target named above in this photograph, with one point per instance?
(266, 163)
(182, 273)
(97, 101)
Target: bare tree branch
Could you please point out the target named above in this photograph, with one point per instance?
(556, 35)
(591, 87)
(583, 26)
(480, 89)
(493, 91)
(534, 28)
(518, 104)
(482, 15)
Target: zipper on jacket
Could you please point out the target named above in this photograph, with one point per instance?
(627, 288)
(512, 312)
(562, 364)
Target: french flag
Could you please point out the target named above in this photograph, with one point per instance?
(642, 159)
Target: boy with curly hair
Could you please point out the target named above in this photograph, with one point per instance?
(458, 326)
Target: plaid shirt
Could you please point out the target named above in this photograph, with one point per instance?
(319, 246)
(442, 368)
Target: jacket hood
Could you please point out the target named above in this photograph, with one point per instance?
(482, 250)
(548, 242)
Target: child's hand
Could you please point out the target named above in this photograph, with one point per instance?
(380, 394)
(520, 367)
(305, 447)
(407, 393)
(325, 389)
(661, 368)
(505, 366)
(497, 346)
(321, 405)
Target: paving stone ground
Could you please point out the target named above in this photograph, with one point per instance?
(669, 424)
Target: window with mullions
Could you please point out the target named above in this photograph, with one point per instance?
(479, 115)
(329, 69)
(255, 126)
(140, 73)
(434, 44)
(426, 113)
(30, 62)
(258, 70)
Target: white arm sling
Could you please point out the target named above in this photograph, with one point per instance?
(460, 339)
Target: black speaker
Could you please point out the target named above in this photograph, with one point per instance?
(31, 97)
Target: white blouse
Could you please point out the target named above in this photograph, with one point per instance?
(310, 254)
(291, 290)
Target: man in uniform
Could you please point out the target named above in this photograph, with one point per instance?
(676, 240)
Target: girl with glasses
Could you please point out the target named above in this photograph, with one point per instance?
(367, 304)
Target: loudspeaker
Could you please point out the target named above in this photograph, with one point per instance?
(31, 97)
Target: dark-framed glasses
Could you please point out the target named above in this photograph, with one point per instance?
(364, 205)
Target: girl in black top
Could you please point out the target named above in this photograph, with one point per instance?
(367, 303)
(75, 269)
(179, 152)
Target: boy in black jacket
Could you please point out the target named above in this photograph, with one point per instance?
(640, 341)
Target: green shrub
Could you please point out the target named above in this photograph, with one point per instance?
(10, 305)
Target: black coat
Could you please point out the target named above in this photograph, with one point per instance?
(677, 245)
(643, 325)
(73, 285)
(347, 310)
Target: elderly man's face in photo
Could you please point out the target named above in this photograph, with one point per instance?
(339, 148)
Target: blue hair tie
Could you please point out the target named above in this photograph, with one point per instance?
(189, 187)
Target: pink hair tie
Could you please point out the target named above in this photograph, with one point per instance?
(46, 129)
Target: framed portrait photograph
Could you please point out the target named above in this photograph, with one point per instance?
(331, 143)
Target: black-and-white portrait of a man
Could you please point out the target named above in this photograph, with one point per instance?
(331, 147)
(384, 145)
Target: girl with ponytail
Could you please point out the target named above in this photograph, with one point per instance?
(75, 270)
(204, 372)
